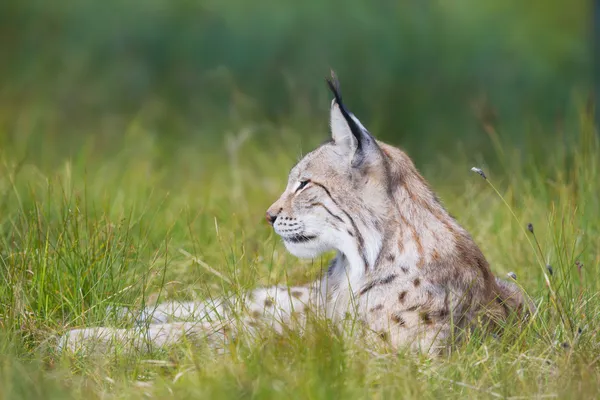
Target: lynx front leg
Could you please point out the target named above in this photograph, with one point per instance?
(217, 309)
(143, 339)
(280, 307)
(273, 305)
(217, 321)
(156, 327)
(275, 301)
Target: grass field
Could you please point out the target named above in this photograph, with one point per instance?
(121, 218)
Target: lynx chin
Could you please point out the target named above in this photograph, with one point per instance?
(405, 269)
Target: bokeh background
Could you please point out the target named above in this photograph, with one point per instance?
(423, 74)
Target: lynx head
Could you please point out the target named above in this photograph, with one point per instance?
(336, 194)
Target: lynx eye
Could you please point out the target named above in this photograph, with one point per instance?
(302, 185)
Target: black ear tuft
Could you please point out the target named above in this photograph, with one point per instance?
(334, 86)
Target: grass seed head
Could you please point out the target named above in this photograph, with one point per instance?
(480, 172)
(530, 227)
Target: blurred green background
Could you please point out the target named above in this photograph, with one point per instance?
(422, 74)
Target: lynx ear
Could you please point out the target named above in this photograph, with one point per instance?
(346, 130)
(340, 130)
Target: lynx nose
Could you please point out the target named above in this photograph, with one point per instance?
(270, 217)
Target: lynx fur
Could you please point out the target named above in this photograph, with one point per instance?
(404, 268)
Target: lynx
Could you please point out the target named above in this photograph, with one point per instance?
(404, 268)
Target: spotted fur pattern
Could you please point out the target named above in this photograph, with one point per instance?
(404, 267)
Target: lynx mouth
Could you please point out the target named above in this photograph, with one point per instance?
(300, 238)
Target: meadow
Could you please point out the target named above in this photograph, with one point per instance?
(134, 221)
(136, 164)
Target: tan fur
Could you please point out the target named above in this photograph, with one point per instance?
(404, 267)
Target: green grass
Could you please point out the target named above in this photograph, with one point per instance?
(106, 220)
